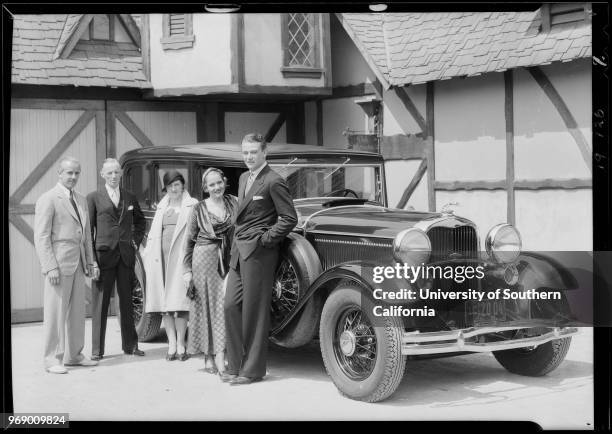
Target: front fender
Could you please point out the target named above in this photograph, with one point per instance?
(540, 271)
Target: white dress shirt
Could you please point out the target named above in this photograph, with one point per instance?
(252, 177)
(113, 193)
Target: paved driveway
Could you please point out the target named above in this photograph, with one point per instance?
(471, 387)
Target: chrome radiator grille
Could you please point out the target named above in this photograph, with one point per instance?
(461, 241)
(334, 250)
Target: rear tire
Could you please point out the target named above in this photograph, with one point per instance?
(534, 362)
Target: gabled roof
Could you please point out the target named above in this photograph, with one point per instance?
(38, 40)
(411, 48)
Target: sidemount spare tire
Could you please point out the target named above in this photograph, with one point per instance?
(147, 324)
(298, 268)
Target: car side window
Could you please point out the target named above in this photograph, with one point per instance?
(138, 181)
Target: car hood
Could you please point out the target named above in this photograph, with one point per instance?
(370, 220)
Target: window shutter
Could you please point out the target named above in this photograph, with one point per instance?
(177, 24)
(561, 13)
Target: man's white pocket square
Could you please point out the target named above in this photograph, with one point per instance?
(131, 207)
(257, 197)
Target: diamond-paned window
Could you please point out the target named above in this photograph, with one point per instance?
(301, 40)
(300, 50)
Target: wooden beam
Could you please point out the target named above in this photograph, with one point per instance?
(295, 124)
(319, 108)
(111, 135)
(134, 130)
(237, 49)
(519, 184)
(326, 47)
(100, 143)
(470, 185)
(221, 123)
(145, 49)
(285, 90)
(56, 104)
(403, 147)
(68, 93)
(564, 112)
(210, 133)
(276, 125)
(416, 179)
(402, 94)
(151, 106)
(51, 158)
(548, 184)
(75, 36)
(353, 90)
(19, 209)
(132, 28)
(22, 226)
(509, 116)
(430, 134)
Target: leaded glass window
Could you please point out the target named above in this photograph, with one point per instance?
(301, 40)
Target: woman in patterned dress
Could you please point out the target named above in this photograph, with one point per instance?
(209, 239)
(163, 262)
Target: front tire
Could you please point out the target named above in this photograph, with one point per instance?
(364, 362)
(147, 324)
(537, 361)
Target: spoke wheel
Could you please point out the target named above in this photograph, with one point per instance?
(147, 324)
(285, 294)
(355, 344)
(363, 360)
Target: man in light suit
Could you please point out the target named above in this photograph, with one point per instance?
(264, 217)
(117, 228)
(63, 244)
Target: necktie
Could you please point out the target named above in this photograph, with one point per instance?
(115, 197)
(249, 183)
(74, 205)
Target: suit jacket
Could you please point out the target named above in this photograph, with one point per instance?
(265, 216)
(60, 239)
(116, 231)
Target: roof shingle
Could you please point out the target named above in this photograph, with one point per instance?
(404, 46)
(36, 39)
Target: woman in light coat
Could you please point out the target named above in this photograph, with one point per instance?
(163, 263)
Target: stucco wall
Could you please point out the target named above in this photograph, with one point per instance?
(207, 63)
(264, 55)
(348, 65)
(399, 174)
(396, 119)
(338, 114)
(470, 134)
(543, 146)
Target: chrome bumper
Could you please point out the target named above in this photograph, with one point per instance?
(452, 341)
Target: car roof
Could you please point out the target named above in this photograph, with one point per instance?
(233, 152)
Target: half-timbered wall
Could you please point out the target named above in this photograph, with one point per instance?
(207, 63)
(263, 53)
(238, 124)
(45, 130)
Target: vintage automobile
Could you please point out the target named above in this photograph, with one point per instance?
(325, 282)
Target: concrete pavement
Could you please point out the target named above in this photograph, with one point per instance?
(471, 387)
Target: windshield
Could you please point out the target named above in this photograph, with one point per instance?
(308, 181)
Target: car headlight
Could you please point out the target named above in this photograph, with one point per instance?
(411, 246)
(503, 243)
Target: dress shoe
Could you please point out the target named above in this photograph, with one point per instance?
(57, 369)
(171, 357)
(84, 362)
(239, 381)
(226, 378)
(212, 370)
(135, 352)
(183, 356)
(97, 358)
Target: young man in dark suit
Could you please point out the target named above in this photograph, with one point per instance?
(265, 216)
(117, 226)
